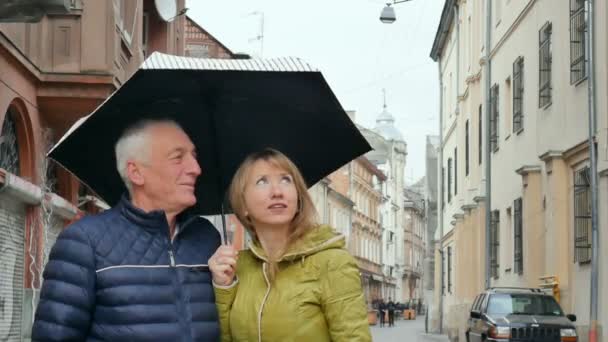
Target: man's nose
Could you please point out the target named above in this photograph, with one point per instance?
(193, 168)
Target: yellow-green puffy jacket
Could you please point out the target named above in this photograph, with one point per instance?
(316, 295)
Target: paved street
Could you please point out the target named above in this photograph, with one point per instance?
(407, 331)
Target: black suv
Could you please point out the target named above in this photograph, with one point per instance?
(518, 314)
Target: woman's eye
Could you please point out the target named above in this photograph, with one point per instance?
(261, 181)
(286, 179)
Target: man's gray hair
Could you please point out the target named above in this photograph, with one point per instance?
(134, 144)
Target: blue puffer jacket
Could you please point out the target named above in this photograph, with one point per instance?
(117, 276)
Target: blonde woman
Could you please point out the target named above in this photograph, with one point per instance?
(296, 282)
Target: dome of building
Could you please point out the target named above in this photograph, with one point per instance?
(385, 126)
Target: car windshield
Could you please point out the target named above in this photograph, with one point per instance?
(523, 304)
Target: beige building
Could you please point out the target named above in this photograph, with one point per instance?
(541, 189)
(414, 246)
(366, 236)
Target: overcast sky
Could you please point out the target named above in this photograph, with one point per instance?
(357, 54)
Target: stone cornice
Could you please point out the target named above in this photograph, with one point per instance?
(526, 169)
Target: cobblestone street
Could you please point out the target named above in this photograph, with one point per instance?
(407, 331)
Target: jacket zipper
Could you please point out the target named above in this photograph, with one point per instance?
(263, 302)
(171, 257)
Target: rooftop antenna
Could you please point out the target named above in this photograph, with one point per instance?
(384, 95)
(260, 36)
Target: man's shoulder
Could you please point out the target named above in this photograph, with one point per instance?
(91, 226)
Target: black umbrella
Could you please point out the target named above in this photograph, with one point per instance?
(229, 108)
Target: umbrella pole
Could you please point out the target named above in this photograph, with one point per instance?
(224, 231)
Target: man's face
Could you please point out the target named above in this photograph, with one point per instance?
(170, 170)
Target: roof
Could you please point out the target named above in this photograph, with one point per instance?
(447, 17)
(210, 35)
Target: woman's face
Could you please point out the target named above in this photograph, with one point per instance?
(271, 197)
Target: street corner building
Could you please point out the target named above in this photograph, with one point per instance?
(515, 80)
(59, 60)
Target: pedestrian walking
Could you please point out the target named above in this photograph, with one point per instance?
(297, 280)
(391, 312)
(383, 312)
(115, 276)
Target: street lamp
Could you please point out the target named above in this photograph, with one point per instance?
(388, 15)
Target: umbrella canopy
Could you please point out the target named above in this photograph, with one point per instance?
(229, 108)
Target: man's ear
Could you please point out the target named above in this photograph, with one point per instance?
(134, 173)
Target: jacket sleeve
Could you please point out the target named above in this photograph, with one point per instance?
(342, 300)
(224, 297)
(67, 298)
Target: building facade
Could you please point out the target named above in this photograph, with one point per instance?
(541, 190)
(366, 243)
(414, 207)
(53, 72)
(389, 155)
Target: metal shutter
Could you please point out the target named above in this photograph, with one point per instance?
(56, 226)
(12, 246)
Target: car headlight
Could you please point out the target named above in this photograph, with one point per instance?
(568, 335)
(500, 332)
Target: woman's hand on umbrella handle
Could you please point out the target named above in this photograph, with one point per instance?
(222, 265)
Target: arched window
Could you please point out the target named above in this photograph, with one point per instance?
(9, 146)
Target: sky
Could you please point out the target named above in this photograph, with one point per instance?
(358, 55)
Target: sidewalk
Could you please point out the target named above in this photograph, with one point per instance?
(408, 331)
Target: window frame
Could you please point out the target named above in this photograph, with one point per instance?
(466, 148)
(495, 244)
(545, 65)
(578, 48)
(494, 117)
(518, 239)
(581, 220)
(518, 95)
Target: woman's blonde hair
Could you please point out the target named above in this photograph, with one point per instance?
(305, 217)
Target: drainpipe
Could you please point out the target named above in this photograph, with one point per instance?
(488, 153)
(441, 181)
(590, 47)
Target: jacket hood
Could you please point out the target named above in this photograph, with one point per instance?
(316, 240)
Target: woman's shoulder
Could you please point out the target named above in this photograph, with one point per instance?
(334, 258)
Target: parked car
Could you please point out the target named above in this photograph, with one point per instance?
(519, 314)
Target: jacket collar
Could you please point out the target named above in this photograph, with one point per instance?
(153, 220)
(317, 239)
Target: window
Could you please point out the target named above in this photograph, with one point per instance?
(479, 134)
(442, 187)
(518, 238)
(494, 118)
(494, 243)
(9, 147)
(455, 171)
(518, 94)
(449, 180)
(582, 216)
(578, 55)
(544, 62)
(466, 148)
(126, 12)
(449, 269)
(443, 273)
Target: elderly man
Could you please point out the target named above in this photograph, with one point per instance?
(136, 272)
